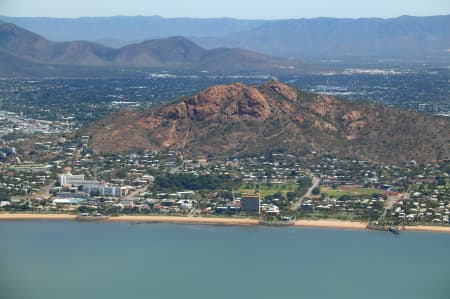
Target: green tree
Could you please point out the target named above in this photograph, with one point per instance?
(316, 191)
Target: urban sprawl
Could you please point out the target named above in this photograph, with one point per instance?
(62, 175)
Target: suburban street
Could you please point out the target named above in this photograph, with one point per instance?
(315, 183)
(135, 193)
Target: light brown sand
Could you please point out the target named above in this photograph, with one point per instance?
(18, 216)
(425, 228)
(331, 224)
(186, 219)
(338, 224)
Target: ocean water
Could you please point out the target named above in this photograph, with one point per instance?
(65, 260)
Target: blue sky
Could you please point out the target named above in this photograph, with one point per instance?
(248, 9)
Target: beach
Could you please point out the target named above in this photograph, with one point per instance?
(425, 228)
(26, 216)
(336, 224)
(186, 219)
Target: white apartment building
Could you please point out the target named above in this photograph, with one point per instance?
(70, 179)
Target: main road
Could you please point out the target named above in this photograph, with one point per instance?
(298, 203)
(132, 195)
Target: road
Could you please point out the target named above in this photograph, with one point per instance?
(391, 201)
(135, 193)
(45, 190)
(315, 183)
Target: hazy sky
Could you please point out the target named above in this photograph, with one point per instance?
(249, 9)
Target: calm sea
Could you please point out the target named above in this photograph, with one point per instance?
(65, 260)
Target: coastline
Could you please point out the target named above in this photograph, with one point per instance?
(336, 224)
(425, 228)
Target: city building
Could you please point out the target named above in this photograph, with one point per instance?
(250, 203)
(101, 190)
(67, 201)
(70, 179)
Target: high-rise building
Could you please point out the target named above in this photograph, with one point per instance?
(70, 179)
(250, 203)
(88, 186)
(103, 190)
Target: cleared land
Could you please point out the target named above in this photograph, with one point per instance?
(266, 189)
(349, 191)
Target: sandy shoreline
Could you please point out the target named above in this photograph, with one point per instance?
(19, 216)
(187, 220)
(337, 224)
(424, 228)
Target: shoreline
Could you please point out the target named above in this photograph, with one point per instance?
(336, 224)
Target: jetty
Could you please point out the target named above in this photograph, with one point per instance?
(88, 217)
(381, 227)
(278, 221)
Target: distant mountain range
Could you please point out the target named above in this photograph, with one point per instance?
(130, 28)
(236, 119)
(404, 38)
(27, 48)
(422, 38)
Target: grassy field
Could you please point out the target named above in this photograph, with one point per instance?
(265, 189)
(414, 187)
(351, 191)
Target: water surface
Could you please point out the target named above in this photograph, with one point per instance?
(55, 260)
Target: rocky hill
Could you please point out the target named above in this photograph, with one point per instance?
(176, 53)
(236, 119)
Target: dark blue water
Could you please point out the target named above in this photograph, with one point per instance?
(65, 260)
